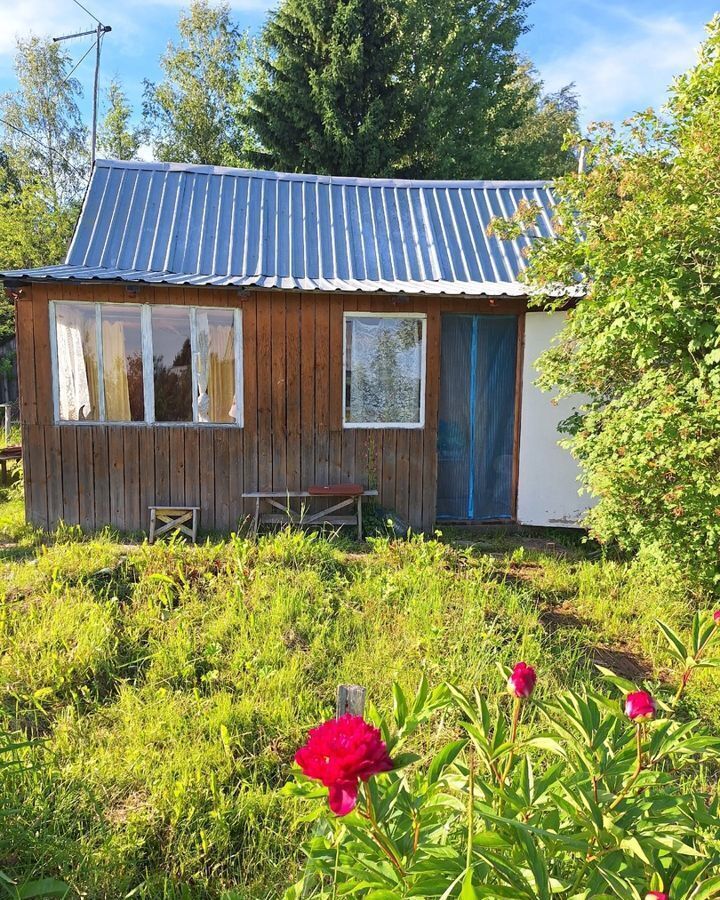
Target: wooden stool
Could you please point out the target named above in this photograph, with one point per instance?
(174, 518)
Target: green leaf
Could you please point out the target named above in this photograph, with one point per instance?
(468, 891)
(443, 759)
(677, 647)
(707, 889)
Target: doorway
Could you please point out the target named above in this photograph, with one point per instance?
(476, 427)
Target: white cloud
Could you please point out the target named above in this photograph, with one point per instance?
(630, 69)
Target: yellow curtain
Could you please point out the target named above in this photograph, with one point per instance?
(89, 340)
(221, 373)
(117, 390)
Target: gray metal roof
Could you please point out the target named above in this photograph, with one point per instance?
(206, 225)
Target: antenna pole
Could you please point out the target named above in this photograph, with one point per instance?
(95, 94)
(99, 33)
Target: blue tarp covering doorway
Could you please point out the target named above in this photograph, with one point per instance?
(477, 417)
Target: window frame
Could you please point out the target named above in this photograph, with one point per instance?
(147, 359)
(357, 314)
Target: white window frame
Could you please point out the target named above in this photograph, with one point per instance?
(147, 358)
(357, 314)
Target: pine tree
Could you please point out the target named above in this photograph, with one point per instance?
(416, 88)
(328, 100)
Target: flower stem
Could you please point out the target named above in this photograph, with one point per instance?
(380, 839)
(638, 769)
(471, 810)
(517, 709)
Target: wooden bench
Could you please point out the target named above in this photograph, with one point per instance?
(284, 514)
(174, 518)
(6, 455)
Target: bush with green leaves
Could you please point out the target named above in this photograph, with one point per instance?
(637, 235)
(598, 799)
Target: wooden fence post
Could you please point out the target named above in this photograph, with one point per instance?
(350, 699)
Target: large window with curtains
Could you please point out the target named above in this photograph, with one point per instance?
(124, 363)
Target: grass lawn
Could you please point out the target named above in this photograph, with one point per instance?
(169, 686)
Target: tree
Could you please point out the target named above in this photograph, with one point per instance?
(643, 343)
(193, 115)
(416, 88)
(117, 137)
(44, 128)
(327, 98)
(43, 163)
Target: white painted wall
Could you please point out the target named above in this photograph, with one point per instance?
(547, 482)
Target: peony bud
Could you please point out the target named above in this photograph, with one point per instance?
(716, 616)
(656, 895)
(522, 680)
(639, 706)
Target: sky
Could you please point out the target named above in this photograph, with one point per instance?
(620, 56)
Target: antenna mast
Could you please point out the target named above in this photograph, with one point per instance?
(100, 31)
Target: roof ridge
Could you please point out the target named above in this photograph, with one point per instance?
(206, 169)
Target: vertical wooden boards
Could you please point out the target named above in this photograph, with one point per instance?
(322, 389)
(192, 467)
(86, 483)
(207, 479)
(250, 409)
(222, 479)
(101, 476)
(402, 473)
(131, 478)
(176, 438)
(116, 463)
(432, 395)
(335, 389)
(292, 391)
(162, 467)
(307, 390)
(35, 474)
(278, 388)
(69, 468)
(43, 363)
(146, 452)
(236, 477)
(264, 392)
(26, 356)
(53, 466)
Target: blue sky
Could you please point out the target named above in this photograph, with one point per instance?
(621, 56)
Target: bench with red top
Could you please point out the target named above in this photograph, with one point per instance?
(7, 454)
(346, 511)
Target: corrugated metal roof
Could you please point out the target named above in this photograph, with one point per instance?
(207, 225)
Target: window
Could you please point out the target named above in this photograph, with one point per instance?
(123, 362)
(384, 370)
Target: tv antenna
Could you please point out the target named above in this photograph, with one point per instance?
(99, 31)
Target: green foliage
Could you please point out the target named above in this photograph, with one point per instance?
(644, 342)
(405, 87)
(45, 133)
(171, 684)
(117, 137)
(193, 114)
(586, 804)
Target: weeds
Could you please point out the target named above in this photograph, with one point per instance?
(171, 683)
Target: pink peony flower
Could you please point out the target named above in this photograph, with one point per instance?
(522, 680)
(716, 616)
(656, 895)
(340, 753)
(639, 706)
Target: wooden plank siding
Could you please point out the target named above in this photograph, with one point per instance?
(292, 437)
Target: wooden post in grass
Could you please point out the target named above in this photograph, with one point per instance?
(350, 699)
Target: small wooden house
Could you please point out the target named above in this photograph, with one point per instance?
(218, 331)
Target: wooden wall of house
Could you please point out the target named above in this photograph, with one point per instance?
(93, 475)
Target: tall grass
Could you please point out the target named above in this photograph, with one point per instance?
(170, 685)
